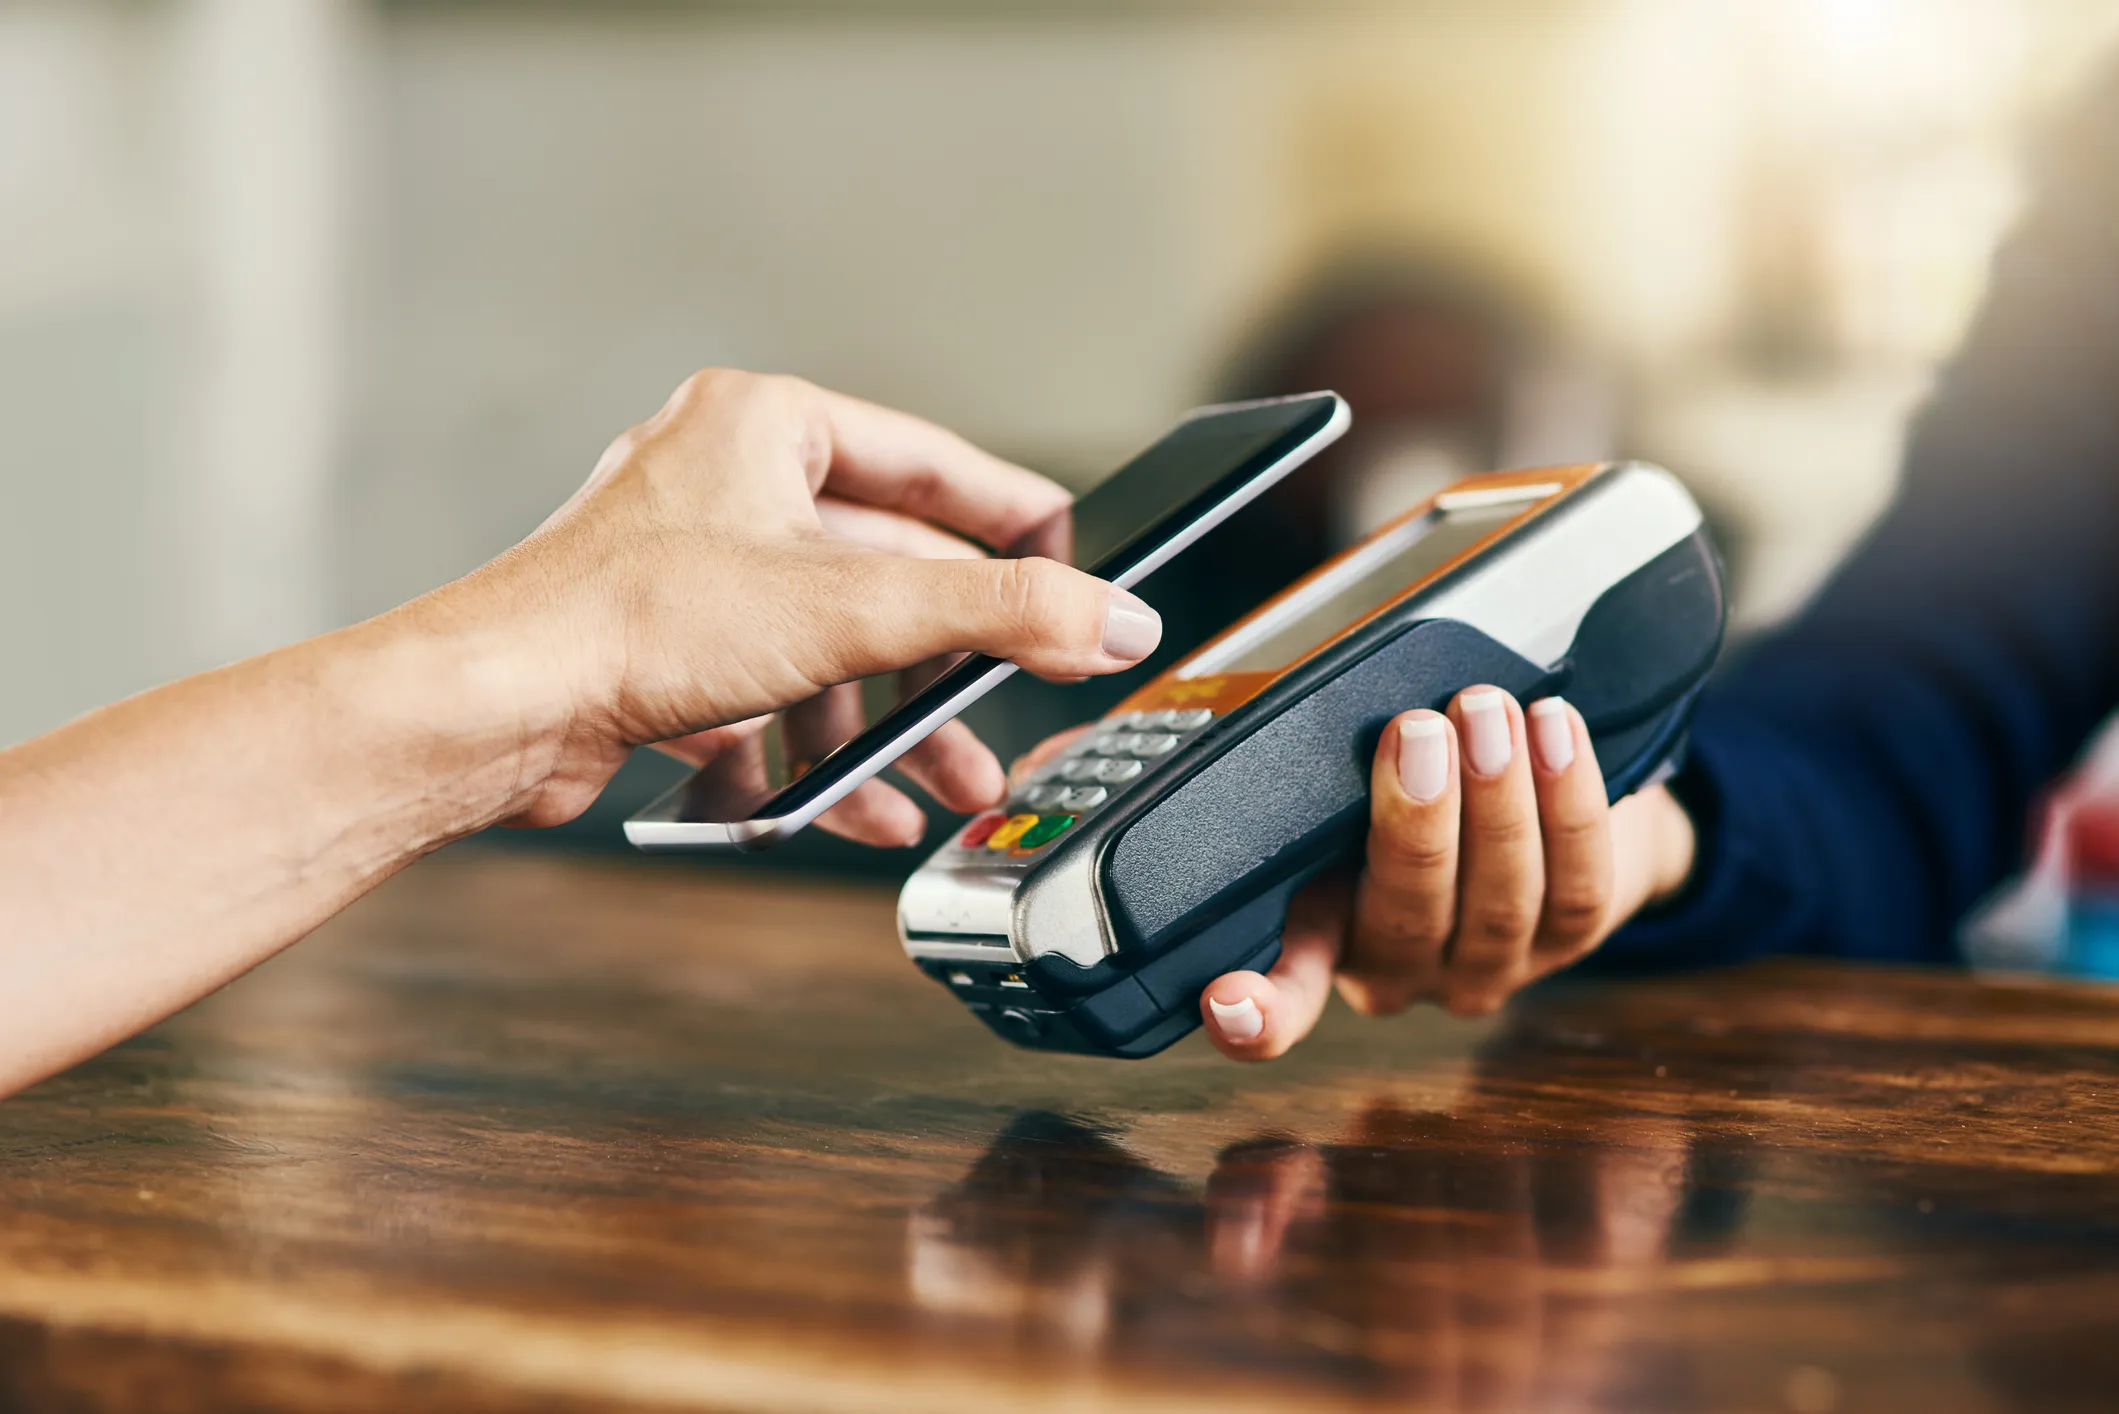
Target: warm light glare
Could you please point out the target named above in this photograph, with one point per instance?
(1857, 31)
(1894, 62)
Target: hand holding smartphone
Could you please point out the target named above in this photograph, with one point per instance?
(1213, 463)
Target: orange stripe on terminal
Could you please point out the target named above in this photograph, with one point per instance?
(1221, 692)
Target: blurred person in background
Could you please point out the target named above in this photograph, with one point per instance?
(1449, 371)
(1855, 782)
(759, 544)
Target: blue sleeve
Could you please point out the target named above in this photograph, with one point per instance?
(1862, 777)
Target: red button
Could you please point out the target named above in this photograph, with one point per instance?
(975, 834)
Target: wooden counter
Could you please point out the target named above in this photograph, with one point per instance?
(523, 1133)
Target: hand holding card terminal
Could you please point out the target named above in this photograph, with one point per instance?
(1091, 923)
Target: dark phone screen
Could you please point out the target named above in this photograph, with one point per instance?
(1113, 528)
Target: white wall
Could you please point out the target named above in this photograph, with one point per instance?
(1014, 228)
(91, 354)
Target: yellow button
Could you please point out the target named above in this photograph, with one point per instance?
(1009, 833)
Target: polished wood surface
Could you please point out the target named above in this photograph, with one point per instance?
(523, 1133)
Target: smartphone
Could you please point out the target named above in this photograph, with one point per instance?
(1212, 464)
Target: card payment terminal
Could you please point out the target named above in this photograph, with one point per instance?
(1160, 850)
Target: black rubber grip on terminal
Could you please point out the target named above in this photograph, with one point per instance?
(1294, 792)
(1647, 643)
(1297, 786)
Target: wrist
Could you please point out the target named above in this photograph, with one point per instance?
(1674, 844)
(484, 701)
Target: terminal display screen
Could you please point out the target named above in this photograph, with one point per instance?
(1291, 630)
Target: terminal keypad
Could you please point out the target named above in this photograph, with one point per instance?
(1085, 778)
(1103, 770)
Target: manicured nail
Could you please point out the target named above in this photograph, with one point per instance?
(1552, 735)
(1131, 628)
(1486, 738)
(1242, 1022)
(1423, 755)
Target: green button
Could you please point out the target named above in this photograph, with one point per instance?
(1045, 831)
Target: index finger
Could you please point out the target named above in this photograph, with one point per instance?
(906, 464)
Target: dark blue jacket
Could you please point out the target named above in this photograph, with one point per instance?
(1861, 778)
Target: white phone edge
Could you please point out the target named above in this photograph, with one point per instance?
(762, 833)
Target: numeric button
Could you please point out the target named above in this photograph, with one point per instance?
(981, 829)
(1113, 770)
(1151, 744)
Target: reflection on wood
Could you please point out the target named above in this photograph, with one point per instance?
(525, 1134)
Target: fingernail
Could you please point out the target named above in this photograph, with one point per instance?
(1241, 1022)
(1486, 739)
(1423, 756)
(1552, 735)
(1131, 628)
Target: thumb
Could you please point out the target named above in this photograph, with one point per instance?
(1037, 613)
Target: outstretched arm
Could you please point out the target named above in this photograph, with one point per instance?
(722, 562)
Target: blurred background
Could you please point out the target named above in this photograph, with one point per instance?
(307, 306)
